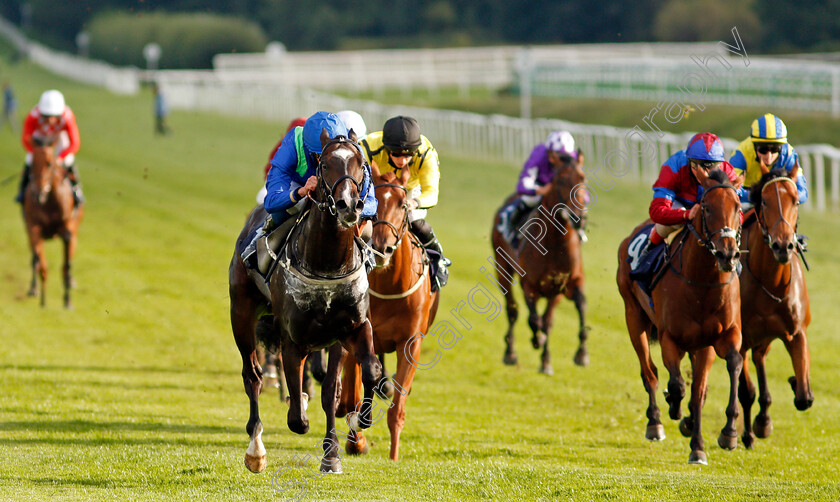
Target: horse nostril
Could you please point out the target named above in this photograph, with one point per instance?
(737, 255)
(360, 204)
(774, 246)
(790, 246)
(341, 204)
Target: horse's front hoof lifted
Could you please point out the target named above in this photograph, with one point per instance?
(331, 465)
(727, 442)
(538, 340)
(762, 428)
(698, 457)
(686, 427)
(547, 370)
(254, 463)
(360, 447)
(511, 359)
(655, 432)
(582, 357)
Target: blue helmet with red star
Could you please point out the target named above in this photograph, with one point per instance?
(705, 147)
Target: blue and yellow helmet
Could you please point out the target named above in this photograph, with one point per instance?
(768, 129)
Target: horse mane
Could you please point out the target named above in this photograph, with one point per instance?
(755, 191)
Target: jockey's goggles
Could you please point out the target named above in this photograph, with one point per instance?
(400, 152)
(708, 165)
(768, 148)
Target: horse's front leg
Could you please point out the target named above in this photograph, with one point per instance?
(69, 238)
(330, 390)
(746, 395)
(293, 359)
(762, 425)
(538, 336)
(360, 342)
(701, 364)
(671, 358)
(33, 285)
(547, 323)
(728, 438)
(797, 347)
(582, 355)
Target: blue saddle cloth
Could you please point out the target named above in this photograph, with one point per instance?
(644, 268)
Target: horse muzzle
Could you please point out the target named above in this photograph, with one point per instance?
(782, 251)
(727, 259)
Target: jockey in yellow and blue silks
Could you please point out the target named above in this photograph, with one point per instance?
(765, 149)
(293, 168)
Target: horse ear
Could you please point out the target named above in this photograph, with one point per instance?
(374, 168)
(325, 137)
(580, 156)
(352, 136)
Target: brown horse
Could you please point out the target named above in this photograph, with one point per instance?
(318, 289)
(401, 305)
(49, 210)
(774, 298)
(696, 309)
(549, 262)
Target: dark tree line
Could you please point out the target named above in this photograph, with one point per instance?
(770, 25)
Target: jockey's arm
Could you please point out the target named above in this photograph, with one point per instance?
(29, 126)
(661, 211)
(72, 134)
(283, 182)
(429, 181)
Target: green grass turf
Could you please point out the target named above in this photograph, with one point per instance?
(137, 394)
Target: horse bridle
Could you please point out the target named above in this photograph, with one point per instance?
(705, 239)
(765, 230)
(399, 233)
(329, 203)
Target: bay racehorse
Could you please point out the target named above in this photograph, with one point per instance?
(49, 210)
(548, 260)
(318, 290)
(774, 298)
(401, 306)
(696, 309)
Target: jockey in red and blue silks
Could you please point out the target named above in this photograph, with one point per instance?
(678, 189)
(293, 168)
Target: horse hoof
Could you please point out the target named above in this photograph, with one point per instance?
(32, 292)
(582, 357)
(69, 306)
(331, 466)
(270, 371)
(686, 428)
(360, 447)
(538, 340)
(353, 421)
(655, 432)
(254, 463)
(511, 359)
(763, 428)
(547, 370)
(748, 440)
(698, 457)
(727, 442)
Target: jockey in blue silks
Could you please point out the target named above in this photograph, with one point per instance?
(293, 168)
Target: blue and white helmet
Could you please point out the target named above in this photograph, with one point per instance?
(313, 126)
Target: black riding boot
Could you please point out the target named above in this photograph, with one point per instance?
(509, 220)
(75, 185)
(424, 232)
(24, 180)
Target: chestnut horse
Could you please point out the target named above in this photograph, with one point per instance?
(549, 263)
(774, 298)
(401, 305)
(696, 309)
(318, 290)
(49, 210)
